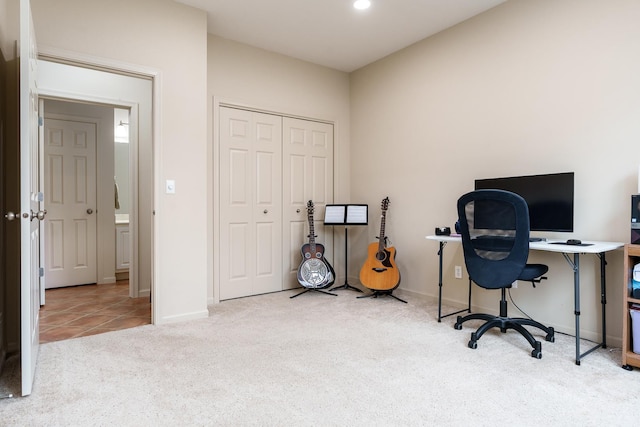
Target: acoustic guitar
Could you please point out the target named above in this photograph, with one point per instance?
(380, 272)
(314, 271)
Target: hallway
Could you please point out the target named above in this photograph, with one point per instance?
(91, 309)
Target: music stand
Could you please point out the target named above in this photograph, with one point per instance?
(349, 214)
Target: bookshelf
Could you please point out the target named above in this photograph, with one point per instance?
(631, 258)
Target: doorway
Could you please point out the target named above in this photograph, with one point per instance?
(87, 195)
(69, 83)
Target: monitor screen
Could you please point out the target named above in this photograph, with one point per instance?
(550, 198)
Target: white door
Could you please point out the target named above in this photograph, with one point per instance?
(70, 170)
(307, 175)
(30, 198)
(251, 203)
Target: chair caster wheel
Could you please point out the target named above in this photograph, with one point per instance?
(537, 350)
(458, 324)
(473, 344)
(550, 336)
(627, 367)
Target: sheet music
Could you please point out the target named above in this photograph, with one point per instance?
(334, 214)
(357, 214)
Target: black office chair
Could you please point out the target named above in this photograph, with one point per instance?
(494, 225)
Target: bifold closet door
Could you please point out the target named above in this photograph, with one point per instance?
(250, 203)
(307, 175)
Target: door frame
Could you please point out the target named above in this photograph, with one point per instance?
(213, 269)
(128, 70)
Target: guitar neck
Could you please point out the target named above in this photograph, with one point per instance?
(312, 234)
(381, 242)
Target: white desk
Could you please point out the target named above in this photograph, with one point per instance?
(597, 248)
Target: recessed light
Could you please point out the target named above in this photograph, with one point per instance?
(362, 4)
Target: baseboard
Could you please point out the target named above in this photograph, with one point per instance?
(183, 317)
(123, 275)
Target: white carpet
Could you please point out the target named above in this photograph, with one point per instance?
(320, 360)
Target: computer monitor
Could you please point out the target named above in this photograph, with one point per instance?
(550, 198)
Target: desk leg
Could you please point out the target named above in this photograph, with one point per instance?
(440, 255)
(603, 297)
(575, 264)
(440, 316)
(576, 303)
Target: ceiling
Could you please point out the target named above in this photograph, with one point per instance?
(331, 32)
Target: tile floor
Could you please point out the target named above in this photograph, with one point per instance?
(91, 309)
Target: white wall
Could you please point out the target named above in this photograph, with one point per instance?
(525, 88)
(253, 77)
(170, 39)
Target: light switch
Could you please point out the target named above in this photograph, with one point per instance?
(171, 187)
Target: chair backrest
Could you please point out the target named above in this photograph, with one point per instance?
(494, 225)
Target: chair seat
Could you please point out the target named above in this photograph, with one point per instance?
(533, 271)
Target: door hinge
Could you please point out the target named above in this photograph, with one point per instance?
(40, 121)
(40, 196)
(41, 271)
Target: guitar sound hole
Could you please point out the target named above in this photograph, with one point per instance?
(307, 255)
(318, 255)
(381, 256)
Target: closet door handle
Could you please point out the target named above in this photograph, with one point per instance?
(89, 211)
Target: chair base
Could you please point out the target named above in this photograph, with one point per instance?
(504, 323)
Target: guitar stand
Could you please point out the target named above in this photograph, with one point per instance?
(314, 290)
(375, 294)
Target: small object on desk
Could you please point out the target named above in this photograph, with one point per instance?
(443, 231)
(574, 242)
(537, 239)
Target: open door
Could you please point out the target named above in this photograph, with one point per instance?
(30, 200)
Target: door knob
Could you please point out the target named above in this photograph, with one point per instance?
(297, 210)
(89, 211)
(266, 211)
(11, 216)
(40, 215)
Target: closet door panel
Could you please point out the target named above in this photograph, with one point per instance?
(308, 171)
(251, 203)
